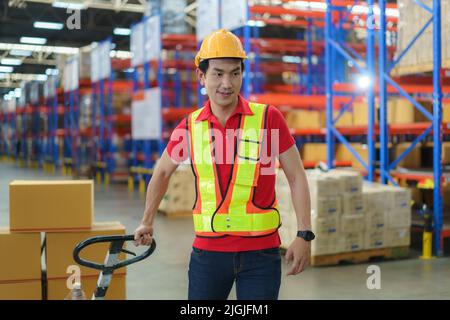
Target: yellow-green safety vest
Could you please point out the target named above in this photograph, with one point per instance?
(234, 213)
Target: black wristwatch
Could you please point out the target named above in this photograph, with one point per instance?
(308, 235)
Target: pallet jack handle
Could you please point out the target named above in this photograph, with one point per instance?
(116, 247)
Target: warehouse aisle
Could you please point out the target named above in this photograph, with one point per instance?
(164, 274)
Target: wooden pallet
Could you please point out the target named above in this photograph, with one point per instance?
(360, 256)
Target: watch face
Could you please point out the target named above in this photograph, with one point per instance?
(307, 235)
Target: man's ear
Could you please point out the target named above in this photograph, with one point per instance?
(200, 76)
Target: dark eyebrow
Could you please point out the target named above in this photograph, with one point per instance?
(221, 70)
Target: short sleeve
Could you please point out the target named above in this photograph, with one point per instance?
(280, 132)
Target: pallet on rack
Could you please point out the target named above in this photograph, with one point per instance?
(418, 68)
(360, 256)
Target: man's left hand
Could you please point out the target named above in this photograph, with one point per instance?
(299, 253)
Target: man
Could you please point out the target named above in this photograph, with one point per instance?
(232, 145)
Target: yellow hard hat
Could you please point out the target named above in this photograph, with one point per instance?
(220, 44)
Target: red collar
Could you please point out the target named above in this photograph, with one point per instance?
(241, 108)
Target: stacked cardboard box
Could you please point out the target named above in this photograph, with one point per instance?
(346, 214)
(412, 17)
(304, 119)
(59, 248)
(314, 152)
(64, 211)
(20, 270)
(389, 217)
(180, 195)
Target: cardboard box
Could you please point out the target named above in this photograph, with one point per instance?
(304, 119)
(51, 205)
(346, 120)
(325, 244)
(398, 237)
(60, 247)
(326, 206)
(314, 152)
(21, 290)
(374, 239)
(361, 113)
(57, 288)
(322, 185)
(344, 154)
(446, 106)
(352, 223)
(352, 203)
(21, 256)
(398, 198)
(351, 181)
(399, 219)
(375, 197)
(325, 226)
(284, 198)
(412, 160)
(352, 241)
(180, 195)
(375, 220)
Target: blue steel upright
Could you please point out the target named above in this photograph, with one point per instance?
(370, 60)
(437, 124)
(329, 85)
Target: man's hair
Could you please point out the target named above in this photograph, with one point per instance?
(204, 65)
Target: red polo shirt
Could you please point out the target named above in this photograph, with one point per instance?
(265, 189)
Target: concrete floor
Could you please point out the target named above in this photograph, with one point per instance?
(164, 274)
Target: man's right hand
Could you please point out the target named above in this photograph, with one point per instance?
(143, 235)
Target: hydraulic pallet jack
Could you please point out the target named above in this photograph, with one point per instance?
(112, 261)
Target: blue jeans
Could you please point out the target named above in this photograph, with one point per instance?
(257, 274)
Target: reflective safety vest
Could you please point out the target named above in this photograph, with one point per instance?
(234, 212)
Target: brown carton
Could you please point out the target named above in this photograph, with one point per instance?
(51, 205)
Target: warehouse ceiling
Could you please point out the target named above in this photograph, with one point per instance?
(17, 18)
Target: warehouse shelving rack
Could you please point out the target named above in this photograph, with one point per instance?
(310, 93)
(382, 83)
(435, 127)
(154, 74)
(71, 146)
(101, 155)
(7, 139)
(52, 110)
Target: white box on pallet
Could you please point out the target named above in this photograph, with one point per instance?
(325, 244)
(352, 203)
(374, 239)
(322, 185)
(399, 218)
(326, 226)
(326, 206)
(350, 181)
(398, 237)
(284, 198)
(375, 220)
(352, 223)
(352, 241)
(375, 197)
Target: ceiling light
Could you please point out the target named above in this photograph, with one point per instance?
(33, 40)
(20, 53)
(48, 25)
(11, 62)
(41, 77)
(68, 5)
(51, 72)
(6, 69)
(122, 31)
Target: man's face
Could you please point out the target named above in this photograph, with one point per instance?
(222, 81)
